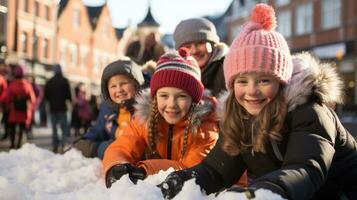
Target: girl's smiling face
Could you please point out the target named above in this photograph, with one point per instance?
(173, 103)
(255, 90)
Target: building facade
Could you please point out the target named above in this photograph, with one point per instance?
(86, 42)
(31, 34)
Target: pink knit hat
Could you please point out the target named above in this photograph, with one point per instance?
(180, 70)
(259, 48)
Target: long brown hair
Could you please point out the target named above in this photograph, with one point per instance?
(151, 151)
(241, 131)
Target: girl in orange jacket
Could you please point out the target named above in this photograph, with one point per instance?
(174, 124)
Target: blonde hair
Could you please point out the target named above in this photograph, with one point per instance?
(151, 151)
(242, 131)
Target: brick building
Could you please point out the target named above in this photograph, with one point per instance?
(327, 28)
(31, 34)
(87, 42)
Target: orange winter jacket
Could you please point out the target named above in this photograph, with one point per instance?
(131, 145)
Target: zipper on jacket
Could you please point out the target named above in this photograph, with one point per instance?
(169, 141)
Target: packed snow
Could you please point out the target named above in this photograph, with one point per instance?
(32, 173)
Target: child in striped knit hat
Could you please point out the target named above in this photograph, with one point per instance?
(174, 123)
(276, 123)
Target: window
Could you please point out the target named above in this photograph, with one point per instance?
(106, 29)
(284, 23)
(37, 9)
(26, 6)
(281, 2)
(23, 41)
(235, 31)
(76, 18)
(63, 54)
(45, 48)
(74, 55)
(3, 3)
(96, 61)
(84, 57)
(47, 13)
(303, 19)
(242, 8)
(3, 25)
(331, 13)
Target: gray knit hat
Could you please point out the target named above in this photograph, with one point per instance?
(124, 67)
(195, 29)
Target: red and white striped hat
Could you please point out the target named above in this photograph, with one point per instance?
(180, 70)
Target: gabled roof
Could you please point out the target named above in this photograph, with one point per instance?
(62, 5)
(94, 13)
(119, 32)
(149, 20)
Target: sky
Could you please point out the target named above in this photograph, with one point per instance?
(33, 173)
(166, 12)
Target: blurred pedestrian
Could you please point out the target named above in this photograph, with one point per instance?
(4, 90)
(150, 49)
(39, 96)
(21, 100)
(58, 95)
(81, 116)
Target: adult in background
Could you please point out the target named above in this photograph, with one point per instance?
(200, 37)
(21, 100)
(57, 94)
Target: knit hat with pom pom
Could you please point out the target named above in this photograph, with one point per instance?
(259, 48)
(180, 70)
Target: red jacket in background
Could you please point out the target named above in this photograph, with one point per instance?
(21, 88)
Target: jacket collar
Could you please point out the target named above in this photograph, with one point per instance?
(311, 77)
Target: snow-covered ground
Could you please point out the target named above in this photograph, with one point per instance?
(32, 173)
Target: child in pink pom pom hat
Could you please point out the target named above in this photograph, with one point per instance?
(276, 123)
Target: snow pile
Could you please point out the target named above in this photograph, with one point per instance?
(33, 173)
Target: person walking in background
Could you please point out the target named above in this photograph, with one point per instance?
(120, 82)
(200, 37)
(4, 108)
(81, 117)
(21, 100)
(277, 123)
(39, 96)
(172, 127)
(58, 95)
(150, 49)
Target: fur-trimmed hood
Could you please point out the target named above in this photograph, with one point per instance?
(219, 51)
(310, 77)
(143, 107)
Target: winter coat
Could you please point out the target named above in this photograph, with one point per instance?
(21, 89)
(102, 133)
(130, 146)
(212, 74)
(3, 89)
(317, 158)
(57, 92)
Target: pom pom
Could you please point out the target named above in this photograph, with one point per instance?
(264, 15)
(184, 52)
